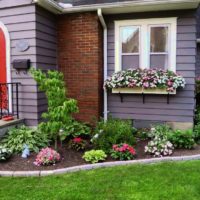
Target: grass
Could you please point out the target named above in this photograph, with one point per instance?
(165, 181)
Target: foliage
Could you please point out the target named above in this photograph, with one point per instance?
(147, 78)
(77, 143)
(182, 139)
(75, 129)
(18, 137)
(94, 156)
(5, 153)
(113, 131)
(159, 147)
(47, 156)
(159, 130)
(143, 133)
(197, 125)
(123, 152)
(60, 108)
(197, 85)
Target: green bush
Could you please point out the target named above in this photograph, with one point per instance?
(5, 153)
(60, 108)
(94, 156)
(160, 130)
(18, 137)
(113, 131)
(75, 129)
(182, 139)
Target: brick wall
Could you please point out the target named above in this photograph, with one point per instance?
(80, 58)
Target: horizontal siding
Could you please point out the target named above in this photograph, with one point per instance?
(20, 22)
(46, 48)
(155, 108)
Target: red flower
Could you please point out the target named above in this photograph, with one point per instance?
(77, 140)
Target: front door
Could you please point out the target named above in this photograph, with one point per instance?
(3, 74)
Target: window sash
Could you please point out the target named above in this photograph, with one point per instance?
(144, 42)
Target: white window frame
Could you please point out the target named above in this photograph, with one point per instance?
(144, 48)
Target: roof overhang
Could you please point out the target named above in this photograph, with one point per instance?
(122, 7)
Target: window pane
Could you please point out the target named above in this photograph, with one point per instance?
(130, 39)
(159, 39)
(159, 61)
(130, 61)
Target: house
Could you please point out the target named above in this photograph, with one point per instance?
(83, 39)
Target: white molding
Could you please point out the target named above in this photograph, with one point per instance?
(145, 25)
(8, 62)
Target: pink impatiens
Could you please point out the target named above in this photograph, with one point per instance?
(147, 79)
(47, 156)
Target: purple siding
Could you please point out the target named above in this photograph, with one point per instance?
(181, 107)
(25, 21)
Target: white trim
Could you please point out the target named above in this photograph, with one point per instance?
(8, 63)
(121, 7)
(145, 25)
(105, 57)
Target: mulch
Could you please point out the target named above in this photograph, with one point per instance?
(72, 158)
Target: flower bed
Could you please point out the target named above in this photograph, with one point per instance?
(145, 81)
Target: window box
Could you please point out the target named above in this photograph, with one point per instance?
(140, 90)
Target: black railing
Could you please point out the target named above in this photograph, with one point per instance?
(9, 100)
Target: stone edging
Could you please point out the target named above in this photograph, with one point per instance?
(95, 166)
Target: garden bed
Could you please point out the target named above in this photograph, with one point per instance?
(72, 158)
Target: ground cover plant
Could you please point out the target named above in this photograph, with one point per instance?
(94, 156)
(16, 138)
(165, 181)
(5, 153)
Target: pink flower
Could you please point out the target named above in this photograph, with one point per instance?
(77, 140)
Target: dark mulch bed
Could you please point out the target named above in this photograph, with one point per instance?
(72, 158)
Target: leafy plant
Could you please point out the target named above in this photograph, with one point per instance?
(18, 137)
(77, 144)
(75, 129)
(5, 153)
(60, 108)
(47, 156)
(113, 131)
(159, 130)
(94, 156)
(182, 139)
(159, 147)
(123, 152)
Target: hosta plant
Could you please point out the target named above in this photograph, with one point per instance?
(47, 156)
(147, 79)
(5, 153)
(94, 156)
(123, 152)
(77, 143)
(159, 147)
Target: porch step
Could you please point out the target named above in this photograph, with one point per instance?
(6, 125)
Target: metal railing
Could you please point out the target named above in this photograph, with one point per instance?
(9, 100)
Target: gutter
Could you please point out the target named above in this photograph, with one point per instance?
(101, 19)
(59, 9)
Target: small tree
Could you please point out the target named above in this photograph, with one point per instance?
(60, 108)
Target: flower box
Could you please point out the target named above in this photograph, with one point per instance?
(140, 90)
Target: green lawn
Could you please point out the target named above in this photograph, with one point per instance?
(166, 181)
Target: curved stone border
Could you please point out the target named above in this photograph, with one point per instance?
(95, 166)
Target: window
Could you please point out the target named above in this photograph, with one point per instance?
(148, 43)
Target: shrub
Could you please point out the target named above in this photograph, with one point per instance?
(60, 108)
(5, 153)
(182, 139)
(123, 152)
(18, 137)
(77, 144)
(94, 156)
(160, 130)
(75, 129)
(113, 131)
(47, 156)
(159, 147)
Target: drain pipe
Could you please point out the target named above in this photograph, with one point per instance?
(99, 12)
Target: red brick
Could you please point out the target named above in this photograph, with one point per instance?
(80, 57)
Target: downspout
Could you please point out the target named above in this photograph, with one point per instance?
(99, 12)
